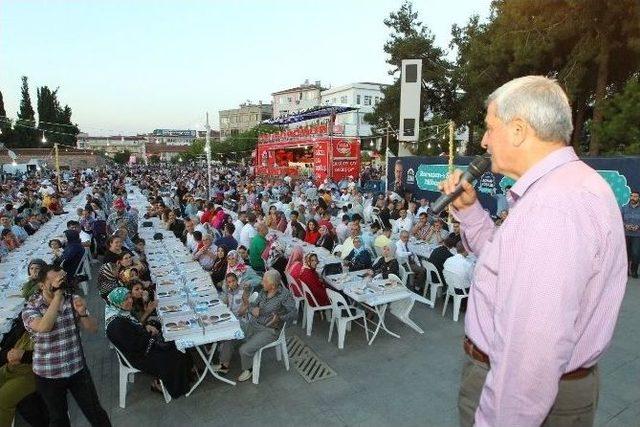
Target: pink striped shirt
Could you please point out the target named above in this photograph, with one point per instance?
(547, 286)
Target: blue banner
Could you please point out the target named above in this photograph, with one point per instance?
(421, 175)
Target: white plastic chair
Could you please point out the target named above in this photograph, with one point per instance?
(338, 308)
(281, 353)
(454, 281)
(253, 297)
(84, 268)
(406, 275)
(309, 309)
(337, 249)
(127, 372)
(298, 300)
(433, 285)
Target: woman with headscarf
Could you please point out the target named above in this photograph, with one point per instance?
(219, 269)
(72, 253)
(245, 274)
(278, 260)
(294, 266)
(30, 287)
(359, 258)
(310, 277)
(326, 239)
(109, 276)
(143, 347)
(387, 263)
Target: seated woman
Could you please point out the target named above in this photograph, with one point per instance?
(17, 381)
(277, 259)
(359, 258)
(144, 306)
(294, 266)
(109, 276)
(142, 347)
(236, 297)
(267, 314)
(30, 287)
(326, 239)
(8, 241)
(114, 249)
(204, 254)
(387, 263)
(245, 273)
(312, 234)
(219, 269)
(310, 277)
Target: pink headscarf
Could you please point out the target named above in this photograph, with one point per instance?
(296, 256)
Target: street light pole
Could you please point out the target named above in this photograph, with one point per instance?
(207, 149)
(57, 161)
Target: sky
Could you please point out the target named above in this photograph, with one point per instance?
(129, 66)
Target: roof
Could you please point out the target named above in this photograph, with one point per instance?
(299, 89)
(63, 150)
(164, 148)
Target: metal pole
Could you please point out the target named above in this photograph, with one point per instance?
(207, 149)
(452, 152)
(57, 161)
(386, 160)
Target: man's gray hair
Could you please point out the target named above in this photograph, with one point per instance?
(538, 100)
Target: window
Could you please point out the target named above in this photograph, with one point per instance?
(311, 95)
(234, 119)
(357, 99)
(343, 100)
(224, 120)
(367, 100)
(245, 118)
(411, 73)
(300, 95)
(254, 117)
(289, 99)
(409, 127)
(376, 100)
(333, 100)
(281, 100)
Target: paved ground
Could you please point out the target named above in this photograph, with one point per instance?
(411, 381)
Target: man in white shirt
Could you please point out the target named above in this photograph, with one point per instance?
(347, 245)
(189, 241)
(404, 223)
(248, 231)
(403, 253)
(239, 223)
(460, 265)
(342, 230)
(424, 206)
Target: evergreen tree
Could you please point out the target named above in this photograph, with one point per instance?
(25, 133)
(5, 125)
(54, 120)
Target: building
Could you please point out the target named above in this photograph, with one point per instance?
(248, 116)
(296, 99)
(363, 96)
(214, 135)
(111, 145)
(165, 152)
(70, 157)
(172, 136)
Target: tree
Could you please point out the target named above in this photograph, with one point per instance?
(410, 39)
(590, 46)
(122, 157)
(620, 125)
(5, 125)
(54, 120)
(25, 133)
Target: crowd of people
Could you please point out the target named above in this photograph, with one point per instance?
(232, 233)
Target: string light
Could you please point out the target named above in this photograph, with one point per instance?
(44, 138)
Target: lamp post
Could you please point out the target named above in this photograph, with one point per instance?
(207, 149)
(57, 160)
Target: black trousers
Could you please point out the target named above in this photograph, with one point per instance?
(80, 384)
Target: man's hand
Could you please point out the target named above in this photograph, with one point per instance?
(152, 305)
(14, 355)
(468, 196)
(275, 320)
(152, 330)
(80, 306)
(255, 311)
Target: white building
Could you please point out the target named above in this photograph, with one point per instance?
(364, 96)
(111, 144)
(296, 99)
(173, 136)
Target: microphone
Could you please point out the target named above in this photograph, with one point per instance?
(476, 168)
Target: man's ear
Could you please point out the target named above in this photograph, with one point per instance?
(520, 130)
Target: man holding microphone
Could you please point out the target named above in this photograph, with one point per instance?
(549, 282)
(52, 317)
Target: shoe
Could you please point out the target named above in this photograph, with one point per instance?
(245, 375)
(220, 369)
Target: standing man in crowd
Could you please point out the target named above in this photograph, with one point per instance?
(631, 219)
(548, 283)
(53, 318)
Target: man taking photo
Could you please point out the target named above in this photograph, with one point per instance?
(52, 317)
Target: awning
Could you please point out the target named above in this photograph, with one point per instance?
(309, 114)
